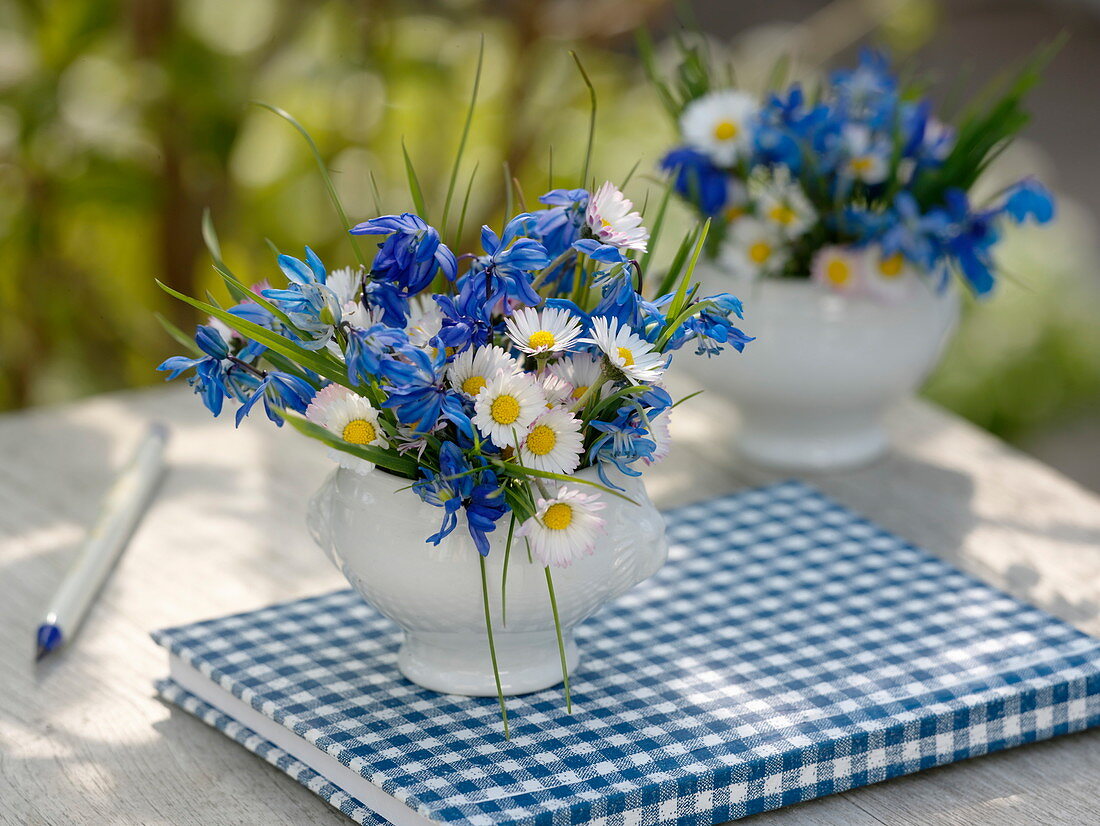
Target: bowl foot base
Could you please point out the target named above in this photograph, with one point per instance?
(813, 447)
(454, 663)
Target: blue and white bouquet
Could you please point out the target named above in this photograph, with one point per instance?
(856, 184)
(488, 378)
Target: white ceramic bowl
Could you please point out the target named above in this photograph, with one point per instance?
(812, 391)
(375, 533)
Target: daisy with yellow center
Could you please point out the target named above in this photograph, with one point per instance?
(564, 528)
(783, 205)
(754, 248)
(556, 391)
(474, 367)
(553, 443)
(506, 406)
(611, 217)
(351, 418)
(580, 371)
(889, 277)
(721, 125)
(838, 268)
(551, 330)
(628, 353)
(868, 155)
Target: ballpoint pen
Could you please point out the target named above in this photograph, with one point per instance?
(122, 509)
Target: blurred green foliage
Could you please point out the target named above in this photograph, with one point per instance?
(121, 121)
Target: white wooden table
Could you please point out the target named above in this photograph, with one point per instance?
(84, 740)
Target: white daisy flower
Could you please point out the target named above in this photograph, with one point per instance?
(838, 268)
(551, 330)
(737, 200)
(887, 277)
(349, 416)
(580, 371)
(611, 219)
(721, 125)
(505, 408)
(630, 354)
(661, 435)
(564, 528)
(425, 322)
(553, 443)
(753, 249)
(345, 283)
(783, 204)
(556, 390)
(474, 367)
(868, 157)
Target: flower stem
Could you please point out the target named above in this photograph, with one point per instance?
(492, 645)
(504, 572)
(561, 641)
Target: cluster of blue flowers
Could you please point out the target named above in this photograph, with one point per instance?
(539, 356)
(863, 164)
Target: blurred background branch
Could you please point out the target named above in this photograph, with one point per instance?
(120, 120)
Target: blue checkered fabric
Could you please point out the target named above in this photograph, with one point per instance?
(789, 649)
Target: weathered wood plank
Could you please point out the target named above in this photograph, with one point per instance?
(83, 740)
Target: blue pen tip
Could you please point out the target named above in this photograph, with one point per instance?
(49, 638)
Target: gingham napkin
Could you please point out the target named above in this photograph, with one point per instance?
(788, 650)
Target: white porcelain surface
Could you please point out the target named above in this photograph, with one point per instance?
(812, 391)
(375, 533)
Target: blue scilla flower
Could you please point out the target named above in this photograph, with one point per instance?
(454, 487)
(446, 489)
(697, 179)
(712, 329)
(418, 394)
(484, 510)
(510, 259)
(278, 391)
(914, 234)
(1029, 199)
(467, 320)
(969, 239)
(313, 309)
(367, 349)
(216, 374)
(868, 92)
(251, 311)
(604, 253)
(310, 305)
(388, 298)
(411, 252)
(558, 226)
(786, 125)
(620, 444)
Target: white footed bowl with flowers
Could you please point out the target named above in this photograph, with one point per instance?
(814, 389)
(373, 531)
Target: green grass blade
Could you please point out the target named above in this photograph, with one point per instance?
(374, 193)
(520, 472)
(330, 188)
(392, 462)
(649, 63)
(591, 119)
(681, 293)
(504, 570)
(677, 264)
(492, 645)
(462, 143)
(414, 185)
(658, 225)
(465, 204)
(561, 641)
(184, 340)
(210, 237)
(327, 367)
